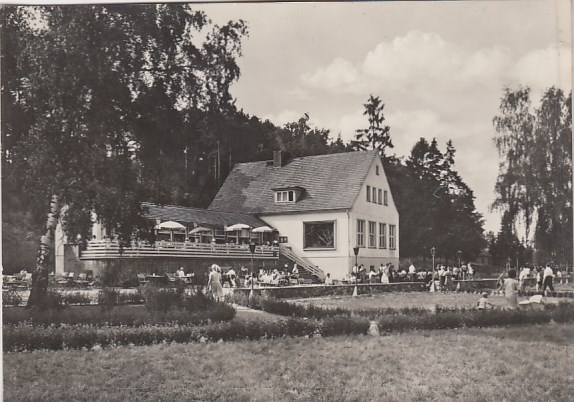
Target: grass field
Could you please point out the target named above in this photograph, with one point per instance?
(410, 299)
(497, 364)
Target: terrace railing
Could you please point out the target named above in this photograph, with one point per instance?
(98, 250)
(302, 262)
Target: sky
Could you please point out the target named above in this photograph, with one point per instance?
(439, 67)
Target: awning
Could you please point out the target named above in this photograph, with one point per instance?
(172, 225)
(262, 229)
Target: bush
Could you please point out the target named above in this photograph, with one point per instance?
(11, 299)
(161, 300)
(131, 298)
(76, 298)
(344, 326)
(108, 298)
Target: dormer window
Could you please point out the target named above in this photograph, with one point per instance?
(285, 196)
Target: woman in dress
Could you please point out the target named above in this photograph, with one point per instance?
(385, 275)
(214, 283)
(511, 287)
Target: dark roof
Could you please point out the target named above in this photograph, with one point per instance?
(330, 181)
(200, 216)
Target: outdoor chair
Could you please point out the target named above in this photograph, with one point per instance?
(63, 279)
(82, 279)
(142, 280)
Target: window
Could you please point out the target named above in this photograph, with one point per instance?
(372, 234)
(382, 235)
(377, 170)
(380, 196)
(285, 196)
(283, 239)
(368, 193)
(319, 234)
(392, 237)
(374, 195)
(360, 233)
(386, 198)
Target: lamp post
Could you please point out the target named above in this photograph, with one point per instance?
(459, 254)
(356, 251)
(508, 264)
(433, 252)
(517, 261)
(252, 249)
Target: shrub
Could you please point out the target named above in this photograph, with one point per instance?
(344, 326)
(131, 298)
(76, 298)
(11, 299)
(52, 301)
(108, 298)
(161, 300)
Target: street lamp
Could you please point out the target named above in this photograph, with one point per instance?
(508, 264)
(433, 252)
(252, 249)
(356, 251)
(459, 254)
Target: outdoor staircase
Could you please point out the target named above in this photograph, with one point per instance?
(302, 262)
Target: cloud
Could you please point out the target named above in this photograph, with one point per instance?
(543, 68)
(339, 74)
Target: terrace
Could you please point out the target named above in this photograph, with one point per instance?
(108, 249)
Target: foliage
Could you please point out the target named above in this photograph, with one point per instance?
(108, 298)
(435, 205)
(11, 299)
(377, 136)
(76, 298)
(534, 185)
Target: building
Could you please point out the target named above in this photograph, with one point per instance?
(322, 206)
(318, 208)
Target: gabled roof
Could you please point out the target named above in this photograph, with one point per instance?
(330, 182)
(200, 216)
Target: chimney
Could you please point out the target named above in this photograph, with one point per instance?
(277, 159)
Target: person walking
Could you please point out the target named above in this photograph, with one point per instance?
(511, 290)
(214, 283)
(548, 279)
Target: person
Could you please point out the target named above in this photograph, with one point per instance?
(372, 275)
(470, 272)
(559, 276)
(180, 272)
(441, 277)
(232, 276)
(412, 272)
(511, 290)
(483, 302)
(500, 282)
(539, 278)
(548, 278)
(385, 274)
(522, 278)
(456, 273)
(464, 270)
(295, 272)
(214, 282)
(328, 280)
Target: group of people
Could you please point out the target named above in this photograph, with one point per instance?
(386, 273)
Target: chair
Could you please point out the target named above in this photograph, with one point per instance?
(142, 280)
(63, 279)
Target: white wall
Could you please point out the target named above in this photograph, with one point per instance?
(379, 213)
(334, 261)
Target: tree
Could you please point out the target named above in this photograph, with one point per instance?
(435, 205)
(376, 136)
(104, 70)
(534, 185)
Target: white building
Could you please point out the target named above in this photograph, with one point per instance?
(322, 206)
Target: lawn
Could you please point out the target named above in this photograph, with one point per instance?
(409, 299)
(522, 363)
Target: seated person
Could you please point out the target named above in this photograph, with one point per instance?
(328, 280)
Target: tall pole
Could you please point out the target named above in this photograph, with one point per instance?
(356, 290)
(433, 251)
(252, 249)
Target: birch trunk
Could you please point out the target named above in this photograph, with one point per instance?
(41, 272)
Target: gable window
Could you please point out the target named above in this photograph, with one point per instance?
(285, 196)
(382, 235)
(360, 233)
(386, 198)
(392, 237)
(319, 235)
(380, 200)
(377, 170)
(372, 234)
(374, 195)
(368, 193)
